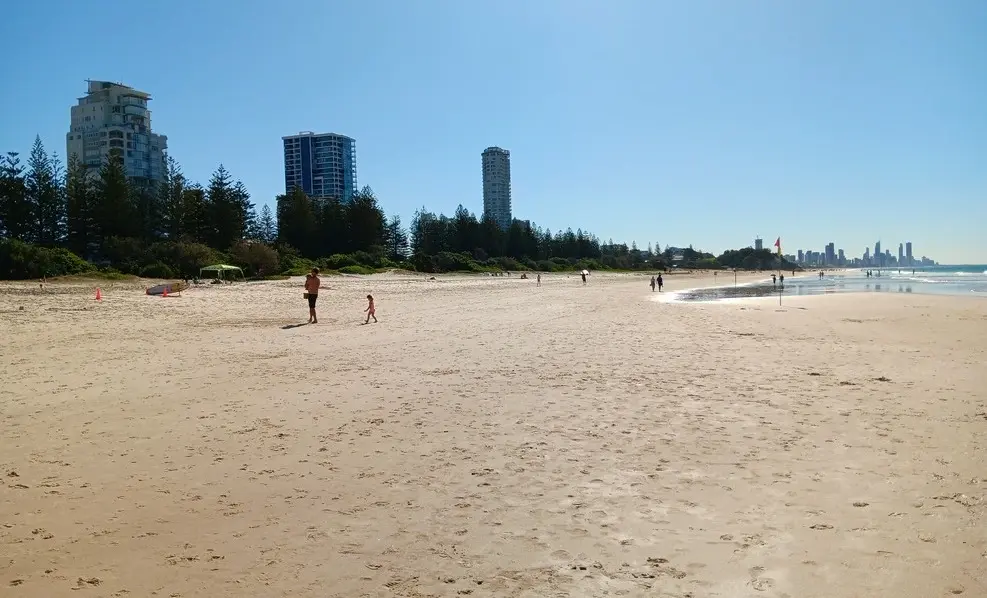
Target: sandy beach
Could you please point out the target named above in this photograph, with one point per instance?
(490, 438)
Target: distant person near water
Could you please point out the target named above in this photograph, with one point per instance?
(660, 283)
(652, 284)
(371, 311)
(312, 284)
(539, 280)
(583, 276)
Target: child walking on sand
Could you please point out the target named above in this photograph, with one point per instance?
(371, 312)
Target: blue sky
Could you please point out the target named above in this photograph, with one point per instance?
(704, 122)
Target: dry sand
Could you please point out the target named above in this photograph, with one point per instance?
(490, 438)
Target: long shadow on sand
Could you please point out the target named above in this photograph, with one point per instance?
(290, 326)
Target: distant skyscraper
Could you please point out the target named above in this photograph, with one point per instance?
(831, 254)
(113, 119)
(908, 254)
(801, 256)
(901, 253)
(841, 258)
(497, 186)
(321, 165)
(758, 244)
(878, 256)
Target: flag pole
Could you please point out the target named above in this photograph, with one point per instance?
(781, 284)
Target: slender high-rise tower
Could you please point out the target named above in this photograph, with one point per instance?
(497, 186)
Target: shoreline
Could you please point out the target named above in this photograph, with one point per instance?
(764, 291)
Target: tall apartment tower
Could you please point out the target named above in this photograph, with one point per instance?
(321, 165)
(497, 186)
(113, 118)
(758, 244)
(878, 256)
(908, 254)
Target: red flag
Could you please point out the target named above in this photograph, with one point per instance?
(778, 245)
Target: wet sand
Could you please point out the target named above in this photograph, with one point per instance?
(490, 438)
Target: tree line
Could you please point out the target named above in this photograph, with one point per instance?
(57, 219)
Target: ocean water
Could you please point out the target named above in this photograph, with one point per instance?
(936, 280)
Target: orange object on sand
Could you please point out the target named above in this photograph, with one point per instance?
(99, 295)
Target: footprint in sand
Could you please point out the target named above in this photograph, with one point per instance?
(762, 584)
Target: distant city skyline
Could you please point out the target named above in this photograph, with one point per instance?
(880, 258)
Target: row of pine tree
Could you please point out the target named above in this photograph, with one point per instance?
(48, 205)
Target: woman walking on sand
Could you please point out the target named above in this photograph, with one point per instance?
(312, 284)
(660, 283)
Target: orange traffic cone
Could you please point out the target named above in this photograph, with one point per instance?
(164, 293)
(99, 295)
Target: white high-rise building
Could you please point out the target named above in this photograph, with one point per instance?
(497, 186)
(321, 165)
(113, 118)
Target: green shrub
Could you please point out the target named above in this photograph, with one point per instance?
(363, 270)
(338, 261)
(19, 261)
(157, 270)
(110, 274)
(587, 264)
(256, 259)
(183, 258)
(366, 259)
(455, 262)
(506, 263)
(126, 254)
